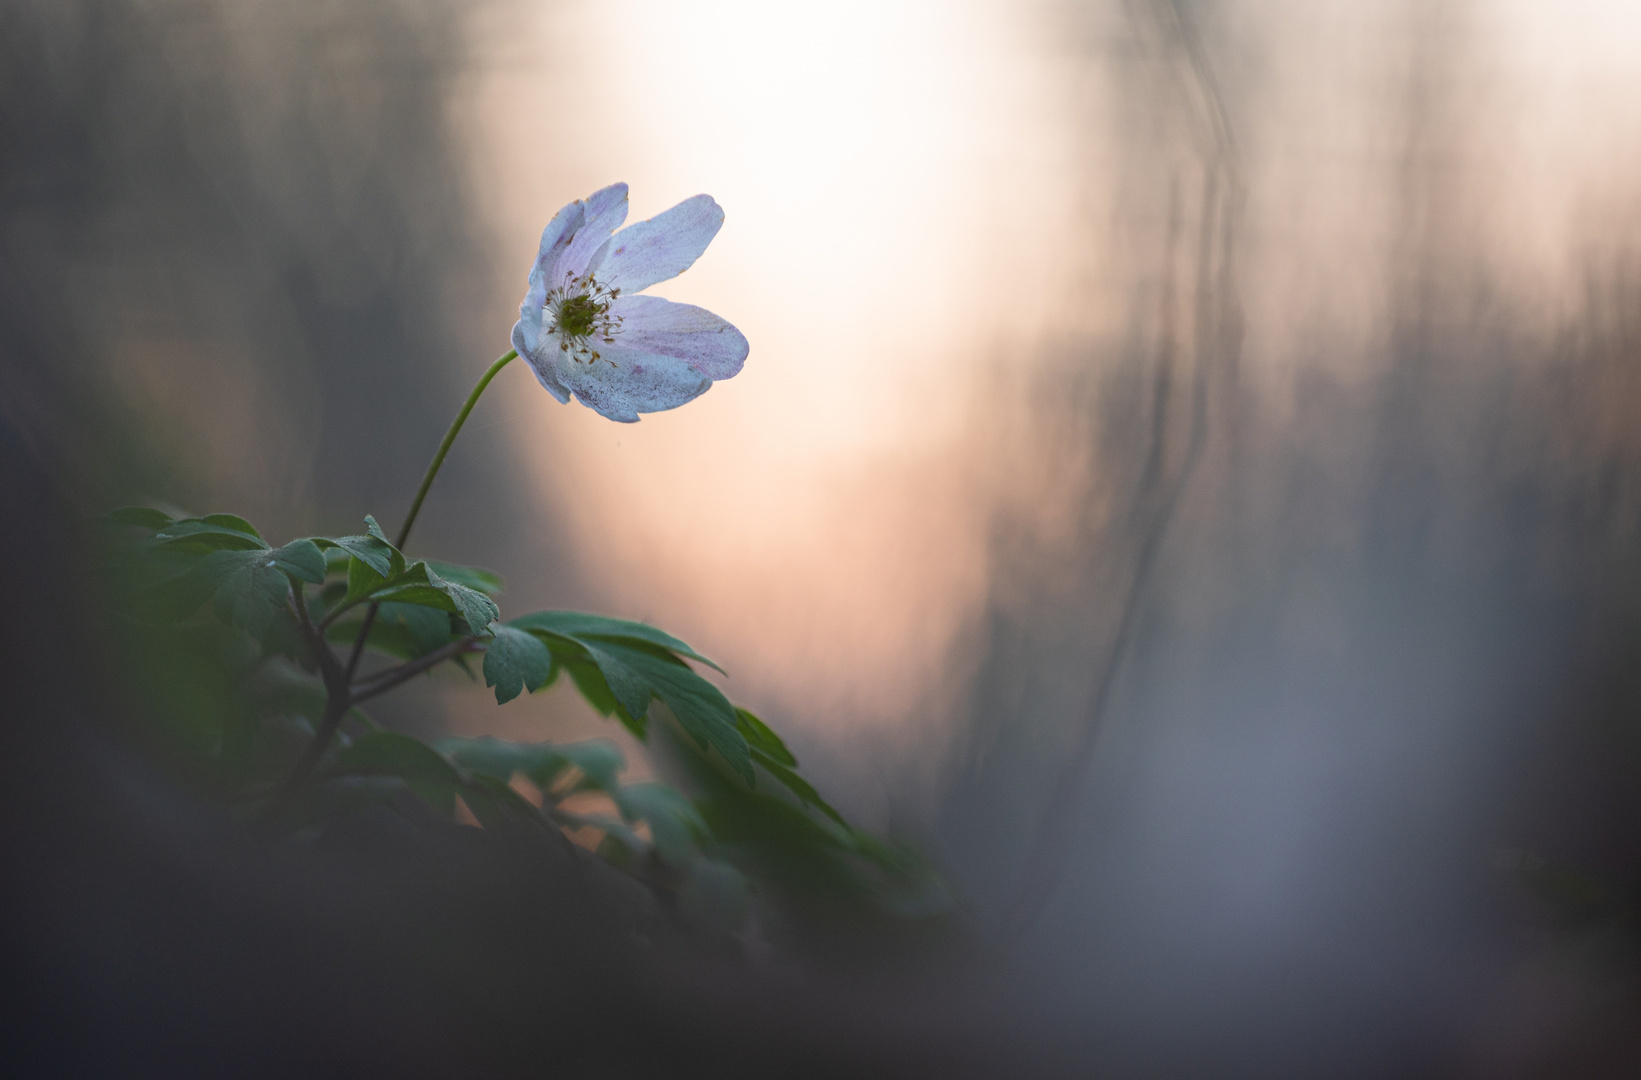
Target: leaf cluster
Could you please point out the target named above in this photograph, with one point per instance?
(263, 626)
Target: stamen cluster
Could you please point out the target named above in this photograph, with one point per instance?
(581, 316)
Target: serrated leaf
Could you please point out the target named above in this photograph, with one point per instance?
(632, 671)
(476, 578)
(362, 581)
(701, 708)
(402, 631)
(758, 736)
(515, 661)
(376, 530)
(797, 785)
(628, 685)
(231, 521)
(590, 682)
(422, 586)
(245, 590)
(380, 556)
(423, 769)
(581, 626)
(199, 535)
(248, 588)
(301, 559)
(141, 516)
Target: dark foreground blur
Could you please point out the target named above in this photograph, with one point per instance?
(1299, 731)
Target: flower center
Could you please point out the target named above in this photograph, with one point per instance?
(577, 315)
(580, 310)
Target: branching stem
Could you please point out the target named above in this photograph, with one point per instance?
(340, 693)
(392, 677)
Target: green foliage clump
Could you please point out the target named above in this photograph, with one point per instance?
(249, 658)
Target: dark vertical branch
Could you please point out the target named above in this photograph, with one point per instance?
(1214, 344)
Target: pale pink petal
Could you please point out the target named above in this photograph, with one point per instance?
(695, 335)
(662, 247)
(622, 383)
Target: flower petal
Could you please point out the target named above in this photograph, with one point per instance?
(540, 362)
(662, 247)
(604, 211)
(706, 342)
(527, 331)
(623, 383)
(555, 239)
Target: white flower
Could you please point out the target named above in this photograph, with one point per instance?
(584, 331)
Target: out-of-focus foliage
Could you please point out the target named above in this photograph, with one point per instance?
(228, 643)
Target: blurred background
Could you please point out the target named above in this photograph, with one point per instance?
(1187, 478)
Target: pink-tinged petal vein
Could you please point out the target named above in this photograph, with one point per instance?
(658, 249)
(623, 383)
(709, 344)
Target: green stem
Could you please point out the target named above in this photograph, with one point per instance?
(339, 696)
(449, 438)
(416, 507)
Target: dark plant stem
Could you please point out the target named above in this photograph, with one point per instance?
(387, 680)
(340, 695)
(337, 701)
(433, 468)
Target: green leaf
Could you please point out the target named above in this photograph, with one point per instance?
(797, 785)
(200, 535)
(423, 769)
(141, 516)
(628, 685)
(617, 835)
(362, 581)
(376, 530)
(231, 521)
(514, 662)
(758, 736)
(495, 804)
(620, 666)
(246, 591)
(590, 681)
(487, 582)
(402, 631)
(422, 586)
(581, 626)
(381, 557)
(675, 824)
(701, 708)
(599, 761)
(248, 588)
(301, 559)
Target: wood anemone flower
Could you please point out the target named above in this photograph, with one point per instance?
(585, 331)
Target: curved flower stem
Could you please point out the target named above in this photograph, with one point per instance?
(340, 695)
(421, 494)
(449, 438)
